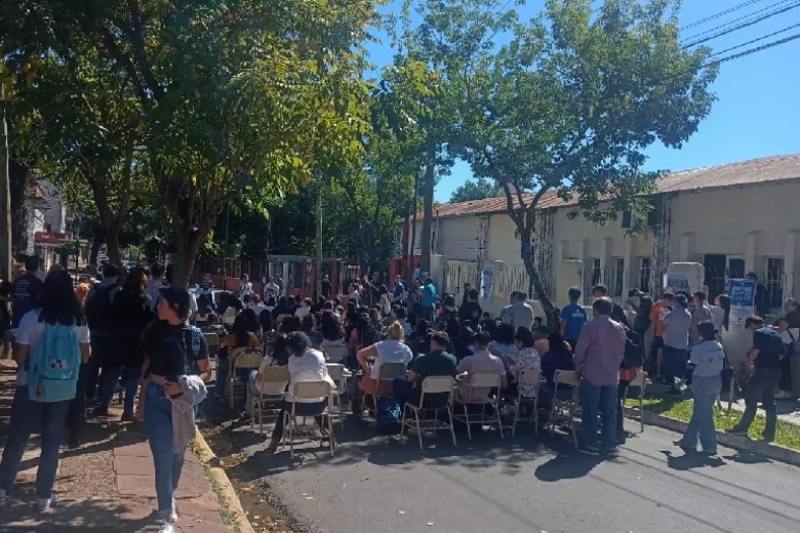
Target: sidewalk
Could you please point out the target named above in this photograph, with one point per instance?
(105, 484)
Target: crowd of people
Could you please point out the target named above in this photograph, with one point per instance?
(132, 330)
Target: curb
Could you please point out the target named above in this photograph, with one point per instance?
(226, 494)
(775, 452)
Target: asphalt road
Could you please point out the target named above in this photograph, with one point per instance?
(525, 484)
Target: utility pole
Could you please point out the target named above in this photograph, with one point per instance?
(318, 287)
(427, 221)
(5, 193)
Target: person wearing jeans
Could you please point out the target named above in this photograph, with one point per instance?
(765, 357)
(168, 461)
(676, 325)
(598, 355)
(707, 360)
(108, 382)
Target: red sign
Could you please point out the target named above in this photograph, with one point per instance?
(50, 236)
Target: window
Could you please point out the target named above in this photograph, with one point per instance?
(644, 274)
(617, 279)
(596, 272)
(592, 277)
(774, 282)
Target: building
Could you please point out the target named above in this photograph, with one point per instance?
(732, 218)
(46, 224)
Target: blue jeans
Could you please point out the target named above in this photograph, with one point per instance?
(24, 413)
(599, 400)
(168, 461)
(674, 363)
(705, 390)
(108, 382)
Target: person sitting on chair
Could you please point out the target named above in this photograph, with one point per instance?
(370, 359)
(437, 362)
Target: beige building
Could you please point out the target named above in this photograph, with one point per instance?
(732, 218)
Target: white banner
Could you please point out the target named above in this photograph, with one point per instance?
(487, 282)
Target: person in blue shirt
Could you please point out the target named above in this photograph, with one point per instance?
(573, 317)
(399, 289)
(428, 300)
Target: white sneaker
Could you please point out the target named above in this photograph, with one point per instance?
(169, 517)
(166, 527)
(43, 505)
(3, 496)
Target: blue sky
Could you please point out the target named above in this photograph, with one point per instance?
(758, 109)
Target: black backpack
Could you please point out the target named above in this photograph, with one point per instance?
(98, 308)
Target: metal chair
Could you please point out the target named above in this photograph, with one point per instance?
(241, 359)
(386, 372)
(337, 374)
(309, 390)
(565, 408)
(483, 383)
(639, 381)
(212, 342)
(527, 376)
(273, 377)
(430, 385)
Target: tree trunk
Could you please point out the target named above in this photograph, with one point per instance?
(18, 180)
(187, 243)
(427, 222)
(112, 230)
(6, 261)
(526, 251)
(413, 230)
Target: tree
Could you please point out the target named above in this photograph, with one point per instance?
(237, 99)
(478, 189)
(568, 105)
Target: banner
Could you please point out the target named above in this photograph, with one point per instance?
(487, 282)
(678, 282)
(743, 296)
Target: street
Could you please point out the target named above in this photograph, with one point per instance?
(519, 485)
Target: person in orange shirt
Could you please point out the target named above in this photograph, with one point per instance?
(657, 313)
(82, 289)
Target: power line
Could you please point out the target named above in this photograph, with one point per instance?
(752, 50)
(757, 39)
(738, 19)
(719, 14)
(742, 25)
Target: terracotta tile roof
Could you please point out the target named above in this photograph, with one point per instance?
(765, 169)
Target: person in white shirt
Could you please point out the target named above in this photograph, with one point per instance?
(154, 284)
(392, 350)
(271, 290)
(58, 307)
(305, 365)
(304, 310)
(480, 362)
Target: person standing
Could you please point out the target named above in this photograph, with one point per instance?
(428, 300)
(657, 314)
(573, 317)
(51, 342)
(98, 316)
(271, 290)
(761, 301)
(598, 355)
(130, 315)
(700, 313)
(25, 291)
(399, 291)
(519, 314)
(167, 393)
(245, 287)
(707, 360)
(677, 324)
(765, 358)
(326, 286)
(157, 281)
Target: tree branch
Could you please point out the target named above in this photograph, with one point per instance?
(140, 56)
(127, 66)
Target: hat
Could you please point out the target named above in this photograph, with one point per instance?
(178, 299)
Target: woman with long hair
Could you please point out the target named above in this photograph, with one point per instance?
(130, 315)
(52, 335)
(243, 335)
(721, 313)
(164, 379)
(333, 345)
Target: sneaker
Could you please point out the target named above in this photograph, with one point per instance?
(768, 438)
(169, 516)
(589, 450)
(165, 526)
(3, 496)
(685, 447)
(43, 505)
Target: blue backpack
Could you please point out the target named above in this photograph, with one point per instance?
(54, 365)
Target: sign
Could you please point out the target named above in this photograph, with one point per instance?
(487, 282)
(50, 236)
(678, 282)
(742, 293)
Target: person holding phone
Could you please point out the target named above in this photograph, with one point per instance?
(164, 382)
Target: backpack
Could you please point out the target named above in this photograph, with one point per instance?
(194, 339)
(634, 351)
(98, 308)
(388, 416)
(54, 365)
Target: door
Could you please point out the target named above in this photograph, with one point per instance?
(715, 274)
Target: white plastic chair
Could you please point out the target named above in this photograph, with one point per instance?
(480, 381)
(386, 372)
(309, 390)
(527, 376)
(275, 377)
(430, 385)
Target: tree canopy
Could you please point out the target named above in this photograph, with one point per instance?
(477, 189)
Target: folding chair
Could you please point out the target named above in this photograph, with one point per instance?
(309, 390)
(480, 381)
(565, 406)
(337, 374)
(275, 378)
(386, 372)
(527, 376)
(430, 385)
(639, 381)
(335, 352)
(241, 359)
(212, 342)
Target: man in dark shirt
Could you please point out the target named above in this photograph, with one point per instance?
(25, 291)
(470, 308)
(765, 357)
(437, 362)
